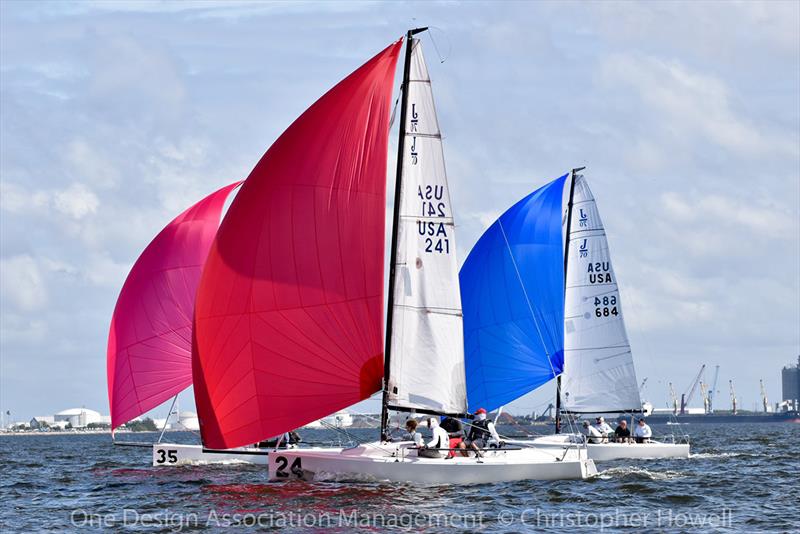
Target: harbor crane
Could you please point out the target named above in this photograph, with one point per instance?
(764, 401)
(704, 395)
(686, 398)
(733, 398)
(674, 399)
(713, 390)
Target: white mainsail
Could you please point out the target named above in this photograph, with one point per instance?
(599, 375)
(427, 347)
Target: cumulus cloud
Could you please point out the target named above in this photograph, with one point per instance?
(692, 106)
(686, 114)
(22, 283)
(77, 201)
(86, 163)
(770, 222)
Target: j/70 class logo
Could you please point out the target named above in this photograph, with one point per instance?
(583, 221)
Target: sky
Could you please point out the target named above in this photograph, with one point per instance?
(116, 116)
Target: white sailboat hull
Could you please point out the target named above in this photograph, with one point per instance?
(604, 452)
(398, 463)
(173, 454)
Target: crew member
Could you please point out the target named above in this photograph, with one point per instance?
(482, 429)
(287, 440)
(439, 441)
(622, 434)
(412, 434)
(592, 434)
(603, 427)
(455, 432)
(642, 433)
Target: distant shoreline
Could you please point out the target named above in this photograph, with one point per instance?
(80, 432)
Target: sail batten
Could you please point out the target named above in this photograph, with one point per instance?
(289, 322)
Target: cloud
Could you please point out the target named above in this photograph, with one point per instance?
(686, 114)
(22, 330)
(693, 107)
(77, 201)
(87, 163)
(767, 222)
(103, 271)
(22, 283)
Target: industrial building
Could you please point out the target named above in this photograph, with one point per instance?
(790, 378)
(180, 421)
(73, 417)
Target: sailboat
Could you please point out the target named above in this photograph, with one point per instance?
(288, 320)
(149, 354)
(541, 302)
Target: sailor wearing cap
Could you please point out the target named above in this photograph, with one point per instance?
(481, 431)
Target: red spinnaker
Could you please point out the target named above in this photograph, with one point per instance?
(149, 354)
(289, 313)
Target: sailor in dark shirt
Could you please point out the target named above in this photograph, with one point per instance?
(453, 427)
(622, 433)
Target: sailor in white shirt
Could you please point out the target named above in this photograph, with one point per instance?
(603, 427)
(439, 443)
(642, 432)
(592, 434)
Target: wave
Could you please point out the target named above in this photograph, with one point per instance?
(637, 473)
(701, 455)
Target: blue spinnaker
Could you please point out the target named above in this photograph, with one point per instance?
(512, 295)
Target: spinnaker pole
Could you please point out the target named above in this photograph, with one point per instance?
(395, 224)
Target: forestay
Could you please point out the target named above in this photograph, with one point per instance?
(599, 375)
(427, 348)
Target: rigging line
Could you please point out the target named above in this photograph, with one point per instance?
(436, 47)
(394, 108)
(175, 398)
(530, 445)
(527, 300)
(530, 308)
(354, 439)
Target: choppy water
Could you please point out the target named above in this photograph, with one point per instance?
(739, 478)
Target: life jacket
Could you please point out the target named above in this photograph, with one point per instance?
(480, 430)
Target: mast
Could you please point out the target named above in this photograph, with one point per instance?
(395, 223)
(566, 260)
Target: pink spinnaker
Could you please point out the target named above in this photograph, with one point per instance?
(150, 340)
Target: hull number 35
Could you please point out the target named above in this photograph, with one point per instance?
(166, 456)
